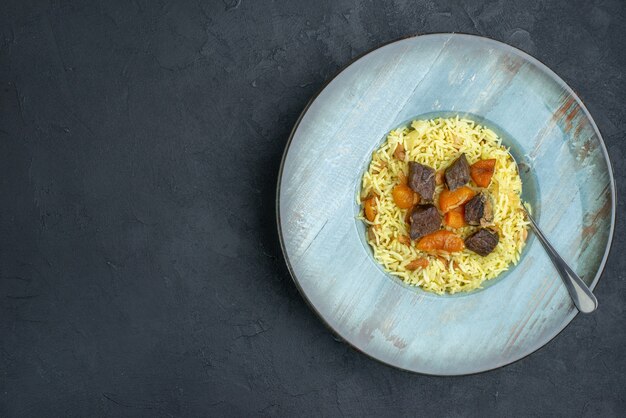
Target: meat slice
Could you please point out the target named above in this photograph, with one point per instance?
(479, 210)
(483, 241)
(424, 220)
(422, 180)
(458, 174)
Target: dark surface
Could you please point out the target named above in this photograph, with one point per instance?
(140, 272)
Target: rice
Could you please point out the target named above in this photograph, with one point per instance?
(437, 143)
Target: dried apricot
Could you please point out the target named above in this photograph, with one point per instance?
(369, 207)
(482, 171)
(403, 239)
(403, 196)
(442, 240)
(421, 262)
(451, 199)
(455, 218)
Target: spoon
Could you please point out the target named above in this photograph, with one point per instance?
(582, 297)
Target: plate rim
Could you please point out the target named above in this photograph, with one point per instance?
(570, 317)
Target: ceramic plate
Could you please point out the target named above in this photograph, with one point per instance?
(567, 178)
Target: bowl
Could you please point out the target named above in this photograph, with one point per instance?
(567, 178)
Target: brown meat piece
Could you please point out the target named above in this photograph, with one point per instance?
(479, 210)
(458, 174)
(482, 242)
(425, 219)
(422, 180)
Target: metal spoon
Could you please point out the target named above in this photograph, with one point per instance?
(582, 297)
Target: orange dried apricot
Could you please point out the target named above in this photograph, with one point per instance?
(482, 172)
(421, 262)
(455, 218)
(403, 239)
(449, 200)
(442, 240)
(403, 196)
(369, 207)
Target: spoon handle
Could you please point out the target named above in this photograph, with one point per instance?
(582, 297)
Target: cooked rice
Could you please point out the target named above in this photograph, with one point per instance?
(437, 143)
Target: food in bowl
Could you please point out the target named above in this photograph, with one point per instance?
(442, 202)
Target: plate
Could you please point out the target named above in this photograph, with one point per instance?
(567, 177)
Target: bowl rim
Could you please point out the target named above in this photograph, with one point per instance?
(568, 319)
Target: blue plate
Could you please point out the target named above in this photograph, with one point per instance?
(567, 177)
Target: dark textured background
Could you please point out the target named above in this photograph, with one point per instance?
(140, 271)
